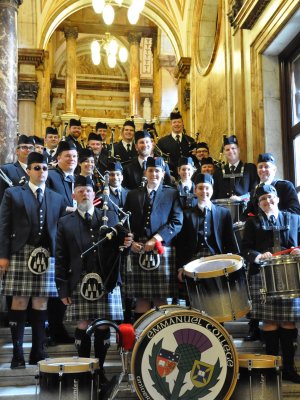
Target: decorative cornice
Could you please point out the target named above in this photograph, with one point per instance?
(244, 14)
(71, 32)
(27, 90)
(90, 85)
(183, 68)
(31, 56)
(134, 37)
(167, 61)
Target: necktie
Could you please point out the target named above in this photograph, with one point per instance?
(144, 165)
(117, 193)
(185, 189)
(69, 178)
(272, 220)
(232, 169)
(151, 197)
(39, 195)
(178, 138)
(52, 152)
(88, 217)
(128, 147)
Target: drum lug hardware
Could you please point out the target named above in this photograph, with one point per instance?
(226, 272)
(263, 294)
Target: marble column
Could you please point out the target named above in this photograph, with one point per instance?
(156, 103)
(181, 75)
(134, 79)
(27, 93)
(71, 34)
(8, 78)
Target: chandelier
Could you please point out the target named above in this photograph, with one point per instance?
(105, 8)
(111, 47)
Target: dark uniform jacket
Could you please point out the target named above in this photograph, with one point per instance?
(169, 145)
(257, 240)
(56, 181)
(122, 153)
(242, 185)
(288, 199)
(114, 202)
(73, 238)
(133, 174)
(187, 241)
(15, 173)
(76, 142)
(166, 215)
(187, 199)
(17, 212)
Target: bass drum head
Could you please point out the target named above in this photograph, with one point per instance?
(184, 355)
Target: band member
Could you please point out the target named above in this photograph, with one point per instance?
(51, 142)
(207, 166)
(207, 228)
(156, 216)
(77, 275)
(125, 149)
(38, 144)
(135, 169)
(28, 224)
(101, 129)
(61, 180)
(86, 164)
(266, 170)
(95, 143)
(269, 232)
(186, 186)
(201, 151)
(177, 143)
(74, 133)
(235, 179)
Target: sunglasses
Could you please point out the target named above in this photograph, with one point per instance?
(38, 168)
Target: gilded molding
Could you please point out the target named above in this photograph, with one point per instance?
(71, 32)
(243, 14)
(183, 67)
(134, 37)
(27, 90)
(34, 57)
(234, 9)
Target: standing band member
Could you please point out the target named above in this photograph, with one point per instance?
(28, 224)
(87, 284)
(207, 228)
(51, 143)
(186, 187)
(156, 216)
(267, 233)
(74, 133)
(124, 149)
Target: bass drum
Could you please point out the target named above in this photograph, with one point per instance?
(184, 355)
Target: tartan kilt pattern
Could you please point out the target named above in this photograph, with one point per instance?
(108, 306)
(274, 309)
(19, 281)
(159, 283)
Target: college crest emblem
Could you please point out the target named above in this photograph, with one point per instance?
(38, 262)
(92, 288)
(184, 355)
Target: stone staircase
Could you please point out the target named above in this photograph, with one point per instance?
(21, 384)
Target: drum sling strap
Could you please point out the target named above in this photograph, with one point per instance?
(232, 177)
(271, 224)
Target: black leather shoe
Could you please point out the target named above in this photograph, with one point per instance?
(254, 334)
(17, 363)
(290, 375)
(35, 358)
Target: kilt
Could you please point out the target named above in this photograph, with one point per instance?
(19, 281)
(278, 310)
(108, 306)
(159, 283)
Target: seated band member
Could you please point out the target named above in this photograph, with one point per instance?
(266, 170)
(185, 185)
(156, 215)
(77, 232)
(207, 228)
(235, 179)
(269, 232)
(28, 224)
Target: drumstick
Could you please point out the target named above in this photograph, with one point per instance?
(287, 251)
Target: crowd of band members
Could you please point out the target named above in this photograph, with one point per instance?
(168, 191)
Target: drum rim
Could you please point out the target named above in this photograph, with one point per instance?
(84, 365)
(217, 272)
(197, 314)
(278, 260)
(138, 322)
(227, 201)
(259, 360)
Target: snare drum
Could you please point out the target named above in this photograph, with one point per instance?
(184, 354)
(235, 207)
(217, 286)
(259, 378)
(68, 378)
(281, 277)
(238, 230)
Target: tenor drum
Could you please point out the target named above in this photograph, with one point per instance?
(235, 207)
(184, 355)
(217, 286)
(69, 378)
(259, 378)
(238, 230)
(281, 277)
